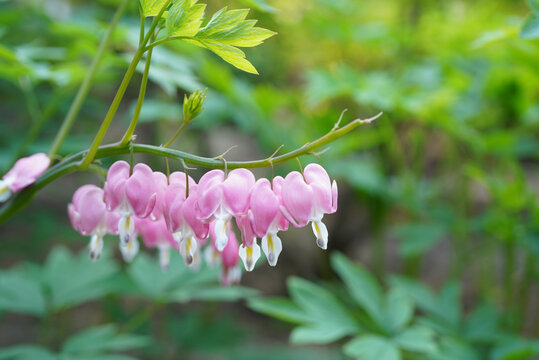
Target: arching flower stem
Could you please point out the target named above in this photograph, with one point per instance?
(73, 163)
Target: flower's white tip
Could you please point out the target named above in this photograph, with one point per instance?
(188, 250)
(321, 233)
(272, 247)
(5, 191)
(95, 248)
(164, 257)
(211, 256)
(197, 262)
(130, 249)
(249, 256)
(126, 229)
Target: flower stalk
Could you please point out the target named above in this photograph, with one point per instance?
(73, 163)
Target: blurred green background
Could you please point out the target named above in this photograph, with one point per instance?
(438, 198)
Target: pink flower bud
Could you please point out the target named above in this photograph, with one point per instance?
(25, 172)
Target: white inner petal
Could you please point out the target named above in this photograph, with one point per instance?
(130, 249)
(164, 257)
(221, 234)
(5, 191)
(321, 233)
(126, 228)
(188, 249)
(95, 248)
(211, 256)
(249, 256)
(272, 247)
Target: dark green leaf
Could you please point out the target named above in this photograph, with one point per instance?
(280, 308)
(445, 307)
(362, 286)
(21, 293)
(371, 347)
(322, 306)
(399, 310)
(417, 339)
(516, 349)
(417, 239)
(102, 338)
(76, 279)
(26, 352)
(317, 334)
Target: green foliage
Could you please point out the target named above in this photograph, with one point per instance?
(152, 7)
(417, 239)
(101, 342)
(451, 167)
(185, 18)
(179, 284)
(382, 322)
(223, 34)
(385, 324)
(67, 280)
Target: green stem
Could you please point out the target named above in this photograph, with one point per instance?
(69, 120)
(175, 135)
(73, 162)
(159, 42)
(142, 19)
(30, 98)
(129, 133)
(121, 91)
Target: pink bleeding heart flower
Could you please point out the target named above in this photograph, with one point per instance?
(24, 173)
(267, 219)
(307, 198)
(249, 250)
(89, 216)
(131, 194)
(161, 184)
(221, 199)
(181, 214)
(231, 272)
(155, 234)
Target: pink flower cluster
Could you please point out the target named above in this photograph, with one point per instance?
(176, 212)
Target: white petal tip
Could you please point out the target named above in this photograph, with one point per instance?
(322, 244)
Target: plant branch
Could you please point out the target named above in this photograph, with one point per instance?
(129, 133)
(73, 162)
(69, 120)
(182, 126)
(121, 91)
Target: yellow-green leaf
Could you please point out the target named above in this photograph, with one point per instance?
(185, 18)
(228, 53)
(231, 28)
(151, 7)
